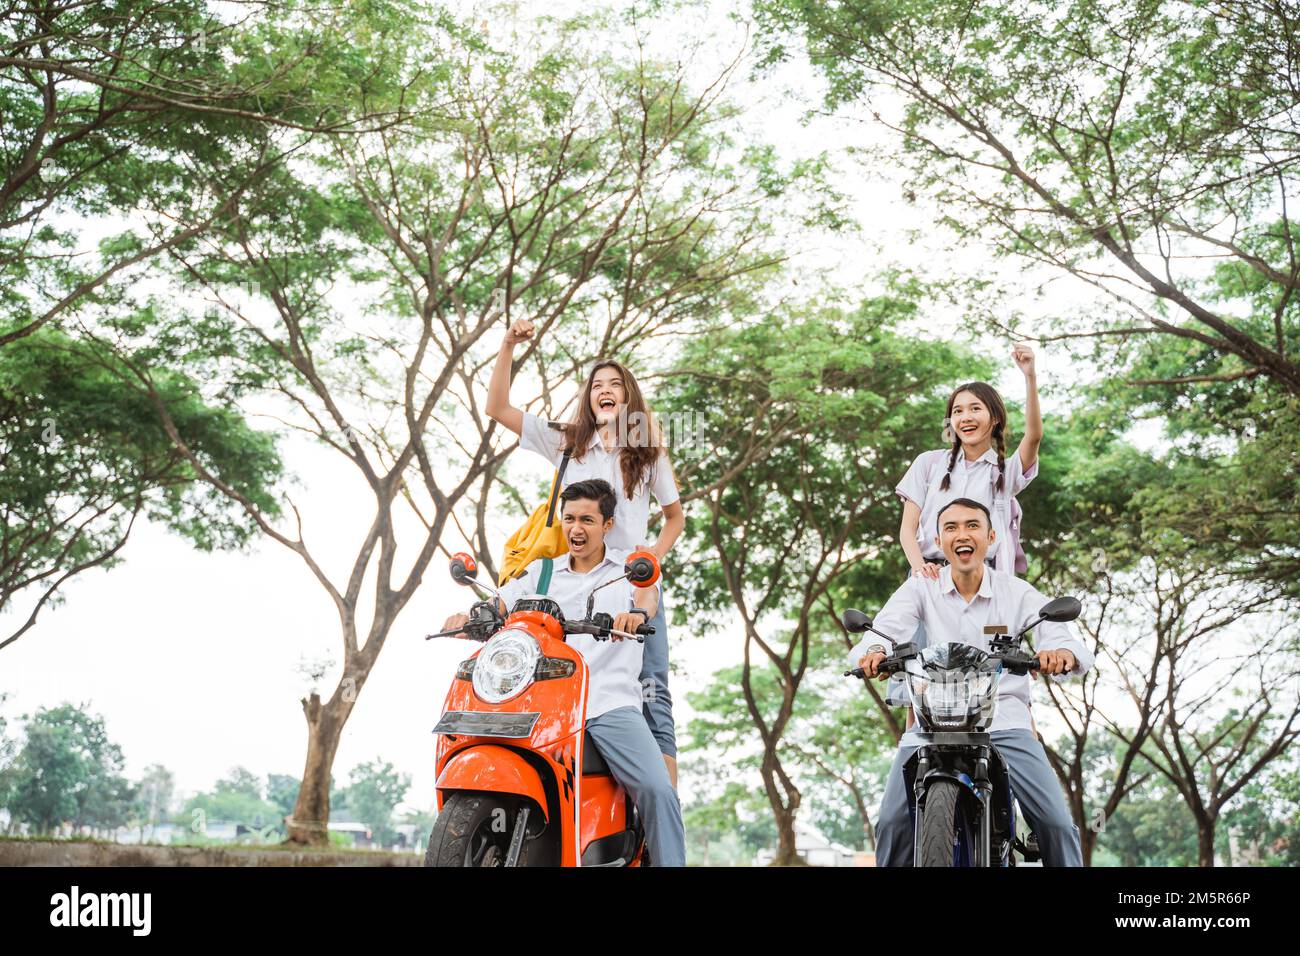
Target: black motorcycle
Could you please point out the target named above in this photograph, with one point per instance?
(963, 808)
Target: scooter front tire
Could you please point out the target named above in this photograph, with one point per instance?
(474, 829)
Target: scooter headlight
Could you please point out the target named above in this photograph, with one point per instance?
(506, 665)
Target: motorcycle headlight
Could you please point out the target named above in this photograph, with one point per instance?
(505, 666)
(952, 698)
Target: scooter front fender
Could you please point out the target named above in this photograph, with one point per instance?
(493, 769)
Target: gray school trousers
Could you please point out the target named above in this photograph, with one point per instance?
(658, 703)
(1037, 792)
(635, 761)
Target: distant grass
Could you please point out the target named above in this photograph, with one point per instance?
(231, 847)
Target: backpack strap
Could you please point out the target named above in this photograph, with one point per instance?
(544, 582)
(555, 489)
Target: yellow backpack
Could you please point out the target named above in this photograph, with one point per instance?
(540, 536)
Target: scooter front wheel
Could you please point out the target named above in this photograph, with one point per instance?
(474, 829)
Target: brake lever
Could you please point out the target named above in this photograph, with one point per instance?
(635, 637)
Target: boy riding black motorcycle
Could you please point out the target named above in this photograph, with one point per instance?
(971, 604)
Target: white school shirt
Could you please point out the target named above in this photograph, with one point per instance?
(970, 479)
(631, 516)
(1002, 599)
(614, 667)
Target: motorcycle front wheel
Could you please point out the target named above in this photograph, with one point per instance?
(940, 820)
(474, 829)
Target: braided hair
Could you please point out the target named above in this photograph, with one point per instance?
(989, 396)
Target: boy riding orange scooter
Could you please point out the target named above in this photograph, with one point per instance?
(556, 689)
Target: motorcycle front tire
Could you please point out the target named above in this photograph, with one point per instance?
(939, 823)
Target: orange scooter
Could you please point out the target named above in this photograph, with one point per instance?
(519, 782)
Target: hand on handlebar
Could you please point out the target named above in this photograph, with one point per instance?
(625, 625)
(456, 621)
(870, 664)
(1056, 662)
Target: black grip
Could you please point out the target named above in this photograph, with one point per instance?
(646, 629)
(1018, 664)
(890, 665)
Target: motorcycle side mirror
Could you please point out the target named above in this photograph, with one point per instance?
(464, 568)
(855, 622)
(1061, 610)
(642, 569)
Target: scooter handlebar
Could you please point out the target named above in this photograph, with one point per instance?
(602, 632)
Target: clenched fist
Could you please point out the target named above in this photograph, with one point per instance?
(521, 330)
(1024, 358)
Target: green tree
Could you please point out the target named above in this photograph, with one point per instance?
(1150, 828)
(140, 125)
(282, 791)
(1125, 141)
(846, 751)
(730, 827)
(166, 111)
(373, 793)
(154, 794)
(67, 771)
(236, 798)
(82, 458)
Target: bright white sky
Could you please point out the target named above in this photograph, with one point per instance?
(193, 658)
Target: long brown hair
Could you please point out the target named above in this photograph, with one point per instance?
(987, 394)
(635, 460)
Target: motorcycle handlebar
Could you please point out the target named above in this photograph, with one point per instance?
(892, 665)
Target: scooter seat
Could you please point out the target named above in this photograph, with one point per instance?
(593, 764)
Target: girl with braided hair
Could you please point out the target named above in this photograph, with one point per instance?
(975, 466)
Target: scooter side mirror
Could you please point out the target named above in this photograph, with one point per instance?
(855, 622)
(642, 569)
(463, 567)
(1061, 610)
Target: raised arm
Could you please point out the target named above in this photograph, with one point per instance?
(498, 401)
(1033, 437)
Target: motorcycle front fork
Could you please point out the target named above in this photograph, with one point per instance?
(984, 791)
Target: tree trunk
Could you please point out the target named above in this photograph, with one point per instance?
(1205, 842)
(311, 813)
(786, 854)
(783, 810)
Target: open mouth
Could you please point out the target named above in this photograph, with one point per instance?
(578, 541)
(968, 429)
(963, 551)
(607, 404)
